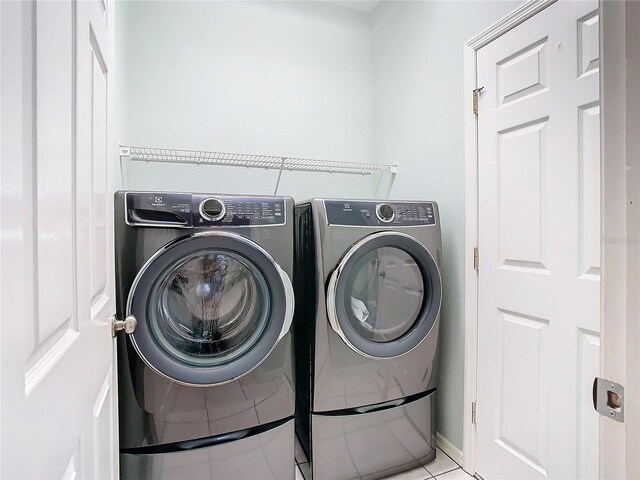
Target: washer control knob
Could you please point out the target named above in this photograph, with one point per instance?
(212, 209)
(385, 212)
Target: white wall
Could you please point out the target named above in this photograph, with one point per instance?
(278, 78)
(419, 122)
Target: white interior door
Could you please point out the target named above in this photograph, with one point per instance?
(539, 244)
(58, 400)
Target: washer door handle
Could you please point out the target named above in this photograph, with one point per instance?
(129, 325)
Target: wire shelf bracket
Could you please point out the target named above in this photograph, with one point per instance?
(270, 162)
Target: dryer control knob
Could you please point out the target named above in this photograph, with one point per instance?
(212, 209)
(385, 212)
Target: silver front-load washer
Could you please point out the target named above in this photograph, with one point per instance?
(206, 379)
(368, 293)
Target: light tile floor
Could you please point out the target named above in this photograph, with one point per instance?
(442, 468)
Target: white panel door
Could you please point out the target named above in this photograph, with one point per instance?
(58, 404)
(539, 244)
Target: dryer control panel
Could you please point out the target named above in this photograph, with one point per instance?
(371, 214)
(202, 210)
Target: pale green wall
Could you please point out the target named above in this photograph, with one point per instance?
(311, 79)
(276, 78)
(419, 122)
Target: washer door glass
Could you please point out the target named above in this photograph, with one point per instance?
(209, 308)
(385, 292)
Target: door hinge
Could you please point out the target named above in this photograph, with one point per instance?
(476, 94)
(473, 412)
(476, 258)
(608, 399)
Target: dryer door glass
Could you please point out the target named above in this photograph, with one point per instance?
(385, 294)
(209, 308)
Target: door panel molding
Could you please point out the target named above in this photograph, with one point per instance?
(502, 26)
(515, 18)
(589, 268)
(56, 347)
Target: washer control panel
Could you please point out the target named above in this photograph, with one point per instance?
(195, 210)
(370, 214)
(237, 211)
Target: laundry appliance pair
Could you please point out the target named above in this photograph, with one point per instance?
(206, 372)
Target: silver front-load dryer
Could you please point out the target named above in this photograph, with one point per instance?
(206, 379)
(369, 293)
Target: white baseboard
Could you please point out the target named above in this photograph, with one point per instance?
(449, 448)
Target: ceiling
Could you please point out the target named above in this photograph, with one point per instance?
(358, 5)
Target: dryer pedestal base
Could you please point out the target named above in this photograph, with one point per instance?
(373, 445)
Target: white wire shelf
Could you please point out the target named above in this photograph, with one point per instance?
(201, 157)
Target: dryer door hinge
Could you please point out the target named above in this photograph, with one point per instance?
(473, 412)
(476, 258)
(476, 94)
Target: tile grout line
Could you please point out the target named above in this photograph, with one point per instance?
(447, 471)
(459, 466)
(430, 474)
